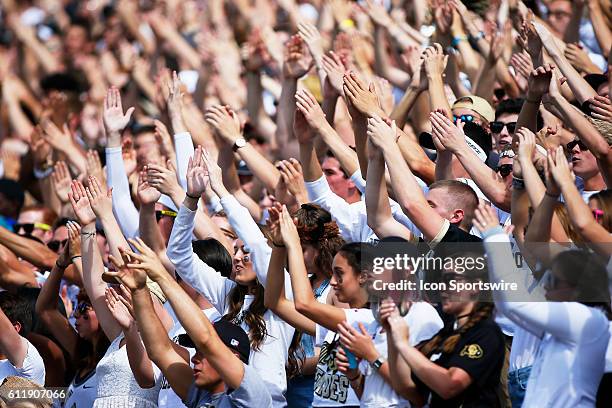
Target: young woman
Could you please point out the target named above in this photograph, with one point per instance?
(351, 273)
(126, 376)
(86, 343)
(571, 358)
(461, 365)
(241, 298)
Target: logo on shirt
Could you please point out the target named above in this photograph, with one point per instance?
(472, 351)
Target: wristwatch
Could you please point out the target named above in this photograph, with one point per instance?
(240, 142)
(376, 364)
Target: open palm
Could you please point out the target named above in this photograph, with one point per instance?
(114, 118)
(80, 204)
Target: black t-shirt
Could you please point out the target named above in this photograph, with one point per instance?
(480, 353)
(456, 234)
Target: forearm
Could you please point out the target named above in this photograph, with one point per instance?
(528, 117)
(572, 31)
(437, 378)
(183, 145)
(401, 375)
(11, 343)
(286, 105)
(150, 326)
(123, 207)
(485, 83)
(345, 155)
(360, 129)
(47, 298)
(49, 198)
(260, 166)
(310, 163)
(603, 33)
(580, 88)
(400, 112)
(148, 229)
(139, 361)
(444, 166)
(541, 223)
(534, 186)
(416, 158)
(31, 251)
(485, 178)
(437, 96)
(19, 122)
(254, 101)
(382, 63)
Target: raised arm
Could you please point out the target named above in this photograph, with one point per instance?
(93, 267)
(602, 30)
(408, 192)
(380, 218)
(12, 345)
(323, 314)
(114, 123)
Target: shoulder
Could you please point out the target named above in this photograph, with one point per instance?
(252, 391)
(486, 333)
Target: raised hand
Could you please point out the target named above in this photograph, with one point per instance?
(522, 63)
(579, 58)
(58, 139)
(118, 309)
(225, 122)
(343, 365)
(380, 133)
(527, 145)
(309, 107)
(61, 181)
(559, 168)
(304, 133)
(378, 14)
(214, 172)
(485, 218)
(174, 99)
(289, 231)
(146, 193)
(163, 179)
(362, 98)
(539, 81)
(80, 204)
(446, 133)
(114, 118)
(74, 239)
(529, 38)
(601, 108)
(101, 201)
(400, 332)
(273, 224)
(94, 166)
(132, 277)
(293, 177)
(435, 61)
(146, 261)
(311, 36)
(387, 310)
(196, 174)
(298, 60)
(334, 80)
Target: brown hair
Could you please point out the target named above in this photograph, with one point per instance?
(316, 228)
(253, 317)
(566, 223)
(48, 215)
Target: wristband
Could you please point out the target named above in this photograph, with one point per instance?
(88, 234)
(192, 197)
(278, 245)
(518, 184)
(555, 196)
(456, 40)
(41, 174)
(492, 231)
(75, 257)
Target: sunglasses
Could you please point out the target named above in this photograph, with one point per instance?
(504, 170)
(597, 214)
(464, 118)
(81, 310)
(164, 213)
(28, 228)
(497, 127)
(500, 93)
(55, 245)
(570, 146)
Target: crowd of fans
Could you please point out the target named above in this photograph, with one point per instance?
(194, 194)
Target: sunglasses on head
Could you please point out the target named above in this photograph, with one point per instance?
(55, 245)
(164, 213)
(597, 214)
(497, 127)
(570, 146)
(81, 310)
(504, 170)
(28, 228)
(464, 118)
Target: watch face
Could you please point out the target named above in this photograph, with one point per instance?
(240, 142)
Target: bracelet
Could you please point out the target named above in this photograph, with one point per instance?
(518, 183)
(356, 378)
(278, 245)
(75, 257)
(88, 234)
(456, 40)
(192, 197)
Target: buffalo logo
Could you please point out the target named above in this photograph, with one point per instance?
(471, 351)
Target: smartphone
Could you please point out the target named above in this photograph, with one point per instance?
(351, 358)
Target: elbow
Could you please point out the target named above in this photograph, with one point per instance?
(304, 307)
(145, 381)
(451, 389)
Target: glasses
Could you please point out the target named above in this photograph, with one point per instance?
(464, 118)
(55, 245)
(570, 146)
(597, 214)
(81, 310)
(164, 213)
(500, 93)
(504, 170)
(28, 228)
(497, 127)
(559, 14)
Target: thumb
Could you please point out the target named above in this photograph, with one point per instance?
(128, 113)
(363, 329)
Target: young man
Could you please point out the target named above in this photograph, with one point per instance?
(220, 376)
(18, 357)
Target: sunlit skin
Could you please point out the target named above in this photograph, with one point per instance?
(87, 325)
(442, 204)
(340, 185)
(347, 285)
(205, 376)
(242, 266)
(32, 217)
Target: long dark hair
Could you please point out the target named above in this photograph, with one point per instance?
(90, 352)
(253, 317)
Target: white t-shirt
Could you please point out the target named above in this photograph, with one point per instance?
(81, 394)
(167, 396)
(424, 322)
(33, 367)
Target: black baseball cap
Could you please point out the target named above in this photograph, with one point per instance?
(230, 334)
